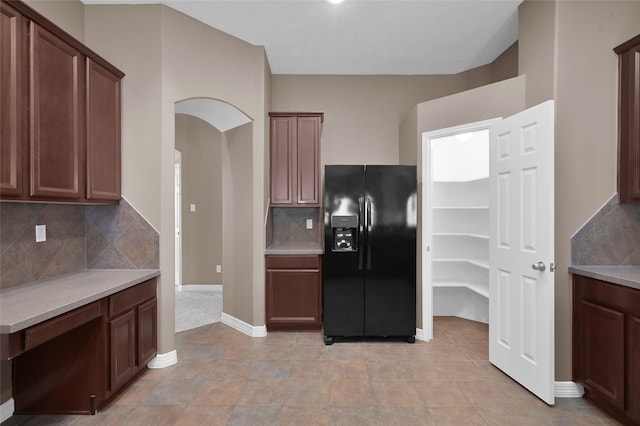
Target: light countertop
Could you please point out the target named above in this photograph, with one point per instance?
(294, 248)
(29, 304)
(625, 275)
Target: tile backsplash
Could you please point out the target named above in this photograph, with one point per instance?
(610, 237)
(78, 237)
(288, 225)
(119, 238)
(22, 260)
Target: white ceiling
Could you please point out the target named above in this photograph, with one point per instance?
(362, 36)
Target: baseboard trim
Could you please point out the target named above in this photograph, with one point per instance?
(248, 329)
(420, 335)
(568, 390)
(164, 360)
(6, 410)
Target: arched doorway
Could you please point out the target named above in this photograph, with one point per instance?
(201, 135)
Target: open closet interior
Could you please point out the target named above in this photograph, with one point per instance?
(460, 225)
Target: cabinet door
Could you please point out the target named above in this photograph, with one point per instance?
(629, 121)
(603, 352)
(11, 60)
(293, 299)
(122, 332)
(633, 375)
(57, 117)
(308, 161)
(103, 133)
(282, 166)
(147, 332)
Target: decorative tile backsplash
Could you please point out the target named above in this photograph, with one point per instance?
(611, 237)
(119, 238)
(289, 225)
(22, 260)
(78, 238)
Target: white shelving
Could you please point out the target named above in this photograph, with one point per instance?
(460, 248)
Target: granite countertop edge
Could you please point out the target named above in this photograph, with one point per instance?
(294, 248)
(29, 304)
(624, 275)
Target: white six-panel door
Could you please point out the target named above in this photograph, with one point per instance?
(521, 302)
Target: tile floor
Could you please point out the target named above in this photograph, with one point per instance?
(227, 378)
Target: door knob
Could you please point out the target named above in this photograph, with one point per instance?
(539, 266)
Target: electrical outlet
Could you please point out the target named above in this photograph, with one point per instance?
(218, 268)
(41, 233)
(192, 208)
(309, 223)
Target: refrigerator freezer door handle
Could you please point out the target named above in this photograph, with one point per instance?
(369, 205)
(361, 233)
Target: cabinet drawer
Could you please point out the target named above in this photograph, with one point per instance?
(612, 295)
(59, 325)
(127, 299)
(293, 262)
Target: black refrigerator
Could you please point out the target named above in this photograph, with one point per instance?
(369, 262)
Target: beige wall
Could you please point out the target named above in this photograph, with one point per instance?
(506, 65)
(201, 184)
(67, 14)
(170, 58)
(237, 175)
(586, 131)
(537, 48)
(362, 114)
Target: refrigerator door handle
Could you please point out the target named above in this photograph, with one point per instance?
(361, 234)
(369, 205)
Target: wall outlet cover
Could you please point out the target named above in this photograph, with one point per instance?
(218, 268)
(41, 233)
(309, 223)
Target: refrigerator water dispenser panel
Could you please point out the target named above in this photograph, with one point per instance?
(344, 233)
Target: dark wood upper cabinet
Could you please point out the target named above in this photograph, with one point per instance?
(295, 159)
(57, 117)
(103, 133)
(11, 88)
(629, 121)
(60, 115)
(308, 161)
(282, 153)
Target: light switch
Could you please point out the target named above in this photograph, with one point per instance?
(193, 208)
(218, 268)
(309, 223)
(41, 233)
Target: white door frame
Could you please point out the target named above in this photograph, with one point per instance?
(178, 215)
(427, 238)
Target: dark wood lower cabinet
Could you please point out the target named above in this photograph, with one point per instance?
(132, 333)
(122, 335)
(293, 292)
(147, 331)
(603, 368)
(606, 346)
(77, 362)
